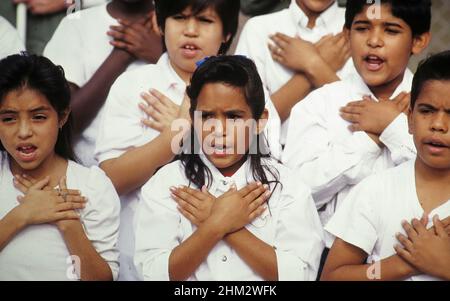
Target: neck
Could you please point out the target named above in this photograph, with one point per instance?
(122, 10)
(231, 170)
(185, 76)
(387, 90)
(312, 15)
(440, 177)
(53, 166)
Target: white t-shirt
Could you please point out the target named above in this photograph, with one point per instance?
(293, 22)
(373, 212)
(39, 252)
(9, 39)
(331, 158)
(121, 129)
(292, 227)
(80, 45)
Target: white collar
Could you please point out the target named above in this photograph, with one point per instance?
(325, 19)
(361, 88)
(172, 79)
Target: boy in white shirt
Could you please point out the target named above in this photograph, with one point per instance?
(9, 39)
(334, 147)
(309, 51)
(91, 47)
(370, 221)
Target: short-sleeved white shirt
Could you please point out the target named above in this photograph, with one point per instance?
(121, 129)
(39, 252)
(331, 159)
(293, 22)
(372, 213)
(80, 45)
(9, 39)
(292, 227)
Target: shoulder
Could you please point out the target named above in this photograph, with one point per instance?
(167, 176)
(265, 24)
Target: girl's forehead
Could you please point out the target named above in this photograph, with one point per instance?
(209, 10)
(24, 99)
(223, 96)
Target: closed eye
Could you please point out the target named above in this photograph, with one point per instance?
(40, 117)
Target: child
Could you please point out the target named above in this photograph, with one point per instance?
(370, 220)
(130, 151)
(335, 148)
(44, 231)
(93, 59)
(9, 39)
(306, 50)
(235, 237)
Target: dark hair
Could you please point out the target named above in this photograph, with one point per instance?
(38, 73)
(436, 67)
(228, 11)
(236, 71)
(415, 13)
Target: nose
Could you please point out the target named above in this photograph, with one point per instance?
(191, 28)
(440, 123)
(219, 128)
(25, 130)
(375, 39)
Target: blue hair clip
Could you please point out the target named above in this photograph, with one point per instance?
(203, 60)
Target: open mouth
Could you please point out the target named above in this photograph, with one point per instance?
(436, 146)
(26, 152)
(190, 50)
(374, 62)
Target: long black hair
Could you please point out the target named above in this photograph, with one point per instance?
(240, 72)
(41, 75)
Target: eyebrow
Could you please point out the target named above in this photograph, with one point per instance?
(385, 24)
(10, 111)
(426, 105)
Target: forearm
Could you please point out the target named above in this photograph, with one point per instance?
(320, 73)
(297, 88)
(260, 256)
(134, 168)
(88, 100)
(92, 266)
(10, 225)
(188, 256)
(389, 269)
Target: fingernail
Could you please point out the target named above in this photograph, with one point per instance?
(266, 186)
(258, 183)
(267, 194)
(173, 188)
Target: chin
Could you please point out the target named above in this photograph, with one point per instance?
(438, 163)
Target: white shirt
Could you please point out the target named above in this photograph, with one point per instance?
(80, 45)
(39, 252)
(293, 22)
(373, 212)
(121, 129)
(331, 158)
(9, 39)
(292, 227)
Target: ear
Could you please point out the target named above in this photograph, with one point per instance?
(64, 117)
(262, 122)
(420, 43)
(411, 121)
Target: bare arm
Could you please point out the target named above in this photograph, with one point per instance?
(137, 166)
(257, 254)
(10, 225)
(88, 100)
(346, 263)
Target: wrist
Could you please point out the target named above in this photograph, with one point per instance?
(19, 218)
(215, 228)
(122, 56)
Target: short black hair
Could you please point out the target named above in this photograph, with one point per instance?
(228, 11)
(41, 75)
(436, 67)
(415, 13)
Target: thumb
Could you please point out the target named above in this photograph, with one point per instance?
(205, 190)
(424, 220)
(39, 185)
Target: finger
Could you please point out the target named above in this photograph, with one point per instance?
(120, 44)
(17, 184)
(71, 192)
(258, 212)
(403, 253)
(359, 103)
(418, 227)
(259, 201)
(352, 109)
(116, 35)
(355, 127)
(123, 22)
(354, 118)
(412, 234)
(24, 180)
(67, 215)
(249, 188)
(198, 195)
(439, 227)
(277, 58)
(183, 196)
(184, 205)
(278, 42)
(63, 184)
(256, 193)
(20, 198)
(76, 199)
(66, 206)
(188, 215)
(405, 242)
(194, 198)
(283, 37)
(154, 103)
(424, 219)
(41, 184)
(206, 191)
(166, 101)
(157, 126)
